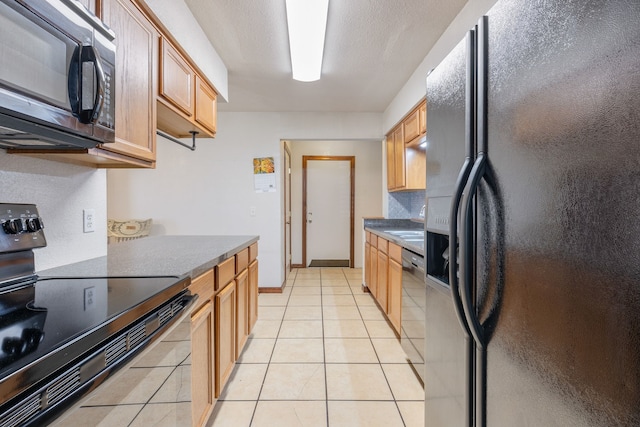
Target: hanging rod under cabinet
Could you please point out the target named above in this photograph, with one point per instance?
(191, 147)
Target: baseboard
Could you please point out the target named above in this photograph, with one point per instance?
(272, 290)
(297, 266)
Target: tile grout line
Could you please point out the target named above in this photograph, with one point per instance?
(255, 407)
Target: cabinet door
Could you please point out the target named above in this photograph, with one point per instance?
(367, 264)
(391, 162)
(373, 273)
(242, 311)
(394, 302)
(383, 280)
(176, 79)
(202, 356)
(423, 118)
(206, 108)
(412, 126)
(225, 343)
(253, 294)
(136, 81)
(399, 154)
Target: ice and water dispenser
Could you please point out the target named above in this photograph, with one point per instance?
(437, 240)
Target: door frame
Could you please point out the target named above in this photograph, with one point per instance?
(352, 179)
(287, 201)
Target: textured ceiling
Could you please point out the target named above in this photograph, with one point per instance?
(371, 49)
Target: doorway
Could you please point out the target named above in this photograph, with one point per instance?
(328, 199)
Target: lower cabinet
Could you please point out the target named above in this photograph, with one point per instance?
(367, 262)
(373, 268)
(225, 328)
(242, 310)
(202, 356)
(253, 294)
(383, 277)
(202, 350)
(394, 300)
(227, 309)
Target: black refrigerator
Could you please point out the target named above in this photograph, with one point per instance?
(533, 219)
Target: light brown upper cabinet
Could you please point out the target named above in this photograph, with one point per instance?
(176, 79)
(412, 126)
(136, 86)
(423, 118)
(406, 159)
(186, 102)
(136, 80)
(206, 106)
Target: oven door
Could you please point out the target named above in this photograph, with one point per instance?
(52, 74)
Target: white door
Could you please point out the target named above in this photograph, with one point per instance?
(328, 210)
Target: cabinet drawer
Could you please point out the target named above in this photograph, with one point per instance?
(242, 260)
(368, 237)
(203, 286)
(383, 245)
(225, 272)
(395, 252)
(253, 252)
(374, 241)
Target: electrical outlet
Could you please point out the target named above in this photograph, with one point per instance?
(89, 298)
(89, 223)
(252, 211)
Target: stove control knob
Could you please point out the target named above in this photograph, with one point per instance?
(13, 346)
(13, 226)
(34, 224)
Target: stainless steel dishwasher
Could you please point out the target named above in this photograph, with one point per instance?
(413, 309)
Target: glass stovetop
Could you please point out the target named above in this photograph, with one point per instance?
(40, 317)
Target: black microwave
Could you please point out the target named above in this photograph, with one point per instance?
(57, 70)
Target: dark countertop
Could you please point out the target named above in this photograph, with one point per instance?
(380, 227)
(157, 256)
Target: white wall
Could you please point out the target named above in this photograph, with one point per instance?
(414, 89)
(367, 180)
(60, 191)
(210, 191)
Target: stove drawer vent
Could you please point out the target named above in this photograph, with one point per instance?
(136, 335)
(116, 349)
(63, 386)
(22, 412)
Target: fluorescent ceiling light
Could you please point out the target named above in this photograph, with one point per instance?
(307, 22)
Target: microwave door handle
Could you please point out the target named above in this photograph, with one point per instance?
(90, 63)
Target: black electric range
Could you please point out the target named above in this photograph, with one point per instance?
(61, 337)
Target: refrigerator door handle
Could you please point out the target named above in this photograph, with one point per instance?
(466, 250)
(463, 176)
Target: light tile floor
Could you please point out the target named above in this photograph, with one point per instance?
(321, 354)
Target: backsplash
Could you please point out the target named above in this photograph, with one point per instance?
(61, 191)
(406, 204)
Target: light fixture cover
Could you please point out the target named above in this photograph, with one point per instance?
(307, 22)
